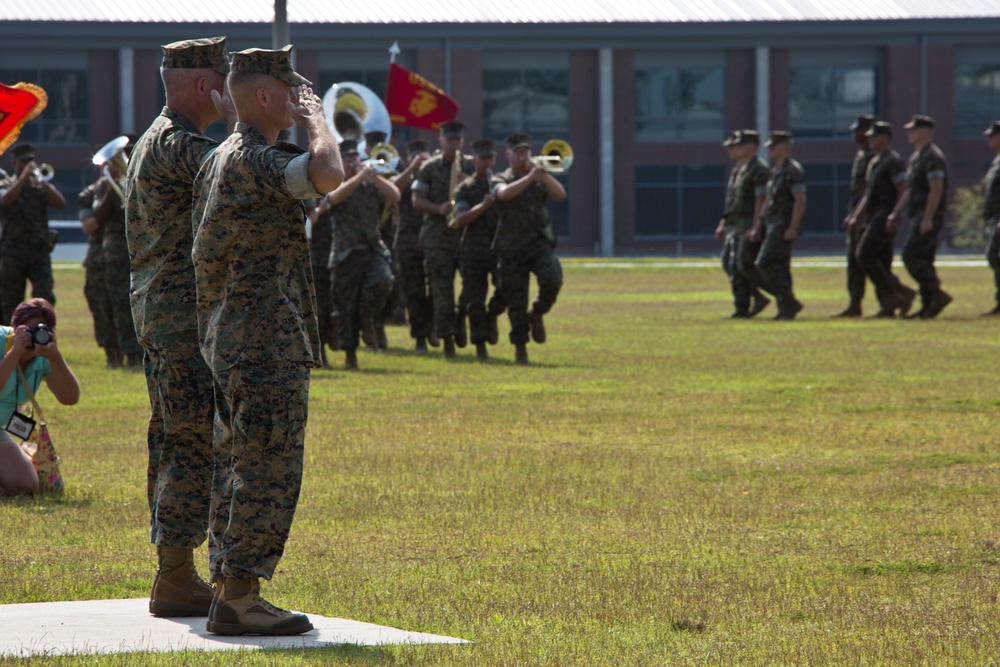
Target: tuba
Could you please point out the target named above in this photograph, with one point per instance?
(113, 152)
(556, 156)
(352, 110)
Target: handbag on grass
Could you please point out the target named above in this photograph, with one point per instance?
(39, 448)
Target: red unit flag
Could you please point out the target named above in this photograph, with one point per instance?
(18, 104)
(414, 101)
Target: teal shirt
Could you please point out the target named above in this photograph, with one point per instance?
(13, 393)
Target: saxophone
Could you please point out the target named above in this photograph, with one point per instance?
(456, 169)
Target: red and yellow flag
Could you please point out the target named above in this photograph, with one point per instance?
(414, 101)
(18, 104)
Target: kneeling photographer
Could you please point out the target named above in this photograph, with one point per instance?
(29, 356)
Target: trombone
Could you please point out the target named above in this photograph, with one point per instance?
(384, 158)
(556, 156)
(113, 152)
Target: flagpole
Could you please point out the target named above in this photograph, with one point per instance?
(393, 52)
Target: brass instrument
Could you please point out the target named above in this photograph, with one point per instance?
(456, 169)
(113, 152)
(556, 156)
(384, 158)
(44, 172)
(353, 110)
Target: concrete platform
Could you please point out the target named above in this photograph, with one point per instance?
(124, 626)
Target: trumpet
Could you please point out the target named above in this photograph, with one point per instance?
(556, 156)
(113, 152)
(44, 172)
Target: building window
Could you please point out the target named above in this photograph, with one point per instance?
(828, 90)
(976, 90)
(678, 97)
(828, 197)
(526, 91)
(674, 201)
(66, 118)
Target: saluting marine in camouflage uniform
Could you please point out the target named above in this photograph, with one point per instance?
(782, 216)
(924, 201)
(409, 258)
(746, 193)
(25, 244)
(257, 326)
(432, 196)
(158, 195)
(859, 170)
(477, 218)
(94, 287)
(991, 211)
(885, 181)
(359, 260)
(526, 241)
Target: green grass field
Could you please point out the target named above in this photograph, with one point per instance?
(663, 486)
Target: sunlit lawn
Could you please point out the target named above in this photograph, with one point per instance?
(663, 486)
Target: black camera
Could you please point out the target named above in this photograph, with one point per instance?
(41, 333)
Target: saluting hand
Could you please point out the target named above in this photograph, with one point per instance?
(305, 108)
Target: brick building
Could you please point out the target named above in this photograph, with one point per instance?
(644, 90)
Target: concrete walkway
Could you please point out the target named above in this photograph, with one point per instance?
(124, 626)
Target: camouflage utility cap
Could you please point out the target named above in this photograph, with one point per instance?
(778, 137)
(418, 146)
(207, 53)
(732, 139)
(23, 152)
(348, 147)
(517, 140)
(879, 127)
(993, 129)
(862, 123)
(272, 63)
(920, 121)
(484, 148)
(452, 129)
(746, 137)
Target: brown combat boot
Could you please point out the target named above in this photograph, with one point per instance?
(852, 310)
(449, 347)
(420, 347)
(133, 361)
(238, 609)
(481, 353)
(369, 334)
(350, 360)
(177, 589)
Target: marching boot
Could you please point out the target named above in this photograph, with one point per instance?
(481, 353)
(113, 356)
(760, 302)
(537, 326)
(939, 300)
(421, 346)
(449, 347)
(350, 360)
(461, 334)
(521, 354)
(177, 588)
(853, 310)
(368, 333)
(238, 609)
(905, 297)
(133, 361)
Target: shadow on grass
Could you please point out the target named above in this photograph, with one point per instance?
(41, 501)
